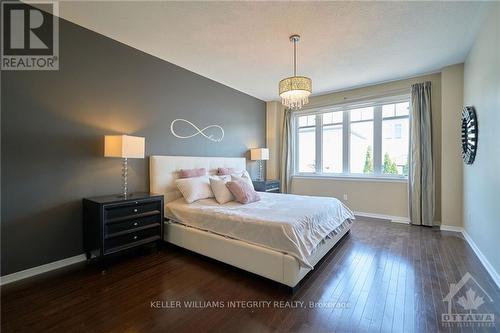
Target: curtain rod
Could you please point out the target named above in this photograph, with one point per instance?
(346, 100)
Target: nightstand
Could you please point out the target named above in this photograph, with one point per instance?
(272, 186)
(112, 223)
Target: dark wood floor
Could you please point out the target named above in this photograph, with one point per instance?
(383, 277)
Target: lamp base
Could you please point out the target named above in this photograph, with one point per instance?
(125, 196)
(125, 193)
(259, 175)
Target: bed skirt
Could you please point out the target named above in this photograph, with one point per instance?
(271, 264)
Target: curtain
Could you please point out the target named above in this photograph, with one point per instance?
(421, 172)
(286, 152)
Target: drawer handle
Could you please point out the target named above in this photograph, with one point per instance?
(135, 210)
(136, 224)
(135, 237)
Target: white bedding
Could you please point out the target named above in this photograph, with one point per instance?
(288, 223)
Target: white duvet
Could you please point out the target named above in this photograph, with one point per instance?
(291, 224)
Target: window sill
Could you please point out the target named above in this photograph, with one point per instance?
(353, 178)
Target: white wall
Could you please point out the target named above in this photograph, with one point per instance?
(481, 193)
(451, 159)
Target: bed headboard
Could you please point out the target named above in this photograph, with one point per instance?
(164, 170)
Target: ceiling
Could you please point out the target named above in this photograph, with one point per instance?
(245, 45)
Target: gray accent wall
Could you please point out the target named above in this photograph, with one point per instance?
(482, 179)
(53, 124)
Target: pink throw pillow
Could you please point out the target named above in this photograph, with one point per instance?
(243, 192)
(190, 173)
(225, 171)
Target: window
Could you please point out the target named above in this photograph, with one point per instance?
(307, 144)
(369, 140)
(395, 142)
(332, 142)
(361, 141)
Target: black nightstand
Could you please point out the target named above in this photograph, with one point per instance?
(113, 223)
(272, 186)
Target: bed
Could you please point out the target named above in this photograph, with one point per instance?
(281, 237)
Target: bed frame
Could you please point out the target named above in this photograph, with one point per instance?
(271, 264)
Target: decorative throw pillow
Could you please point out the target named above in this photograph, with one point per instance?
(225, 171)
(195, 188)
(221, 192)
(222, 177)
(190, 173)
(245, 177)
(232, 171)
(243, 192)
(241, 173)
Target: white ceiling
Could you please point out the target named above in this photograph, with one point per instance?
(245, 44)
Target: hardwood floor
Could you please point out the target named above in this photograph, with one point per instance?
(382, 277)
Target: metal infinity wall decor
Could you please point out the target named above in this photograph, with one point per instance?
(198, 131)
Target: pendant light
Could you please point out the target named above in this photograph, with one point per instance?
(295, 90)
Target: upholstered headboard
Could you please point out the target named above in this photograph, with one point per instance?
(164, 170)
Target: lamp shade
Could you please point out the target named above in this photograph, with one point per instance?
(259, 154)
(124, 146)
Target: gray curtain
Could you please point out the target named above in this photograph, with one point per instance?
(421, 173)
(286, 152)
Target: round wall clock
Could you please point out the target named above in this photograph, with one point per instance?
(469, 134)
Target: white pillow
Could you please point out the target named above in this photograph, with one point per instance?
(244, 177)
(241, 173)
(195, 188)
(221, 192)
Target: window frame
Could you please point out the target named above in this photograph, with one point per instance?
(378, 118)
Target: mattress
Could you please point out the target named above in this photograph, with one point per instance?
(288, 223)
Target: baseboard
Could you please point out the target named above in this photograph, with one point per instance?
(41, 269)
(487, 265)
(445, 227)
(396, 219)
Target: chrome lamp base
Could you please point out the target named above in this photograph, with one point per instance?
(259, 175)
(125, 178)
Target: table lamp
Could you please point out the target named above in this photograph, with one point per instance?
(124, 146)
(259, 155)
